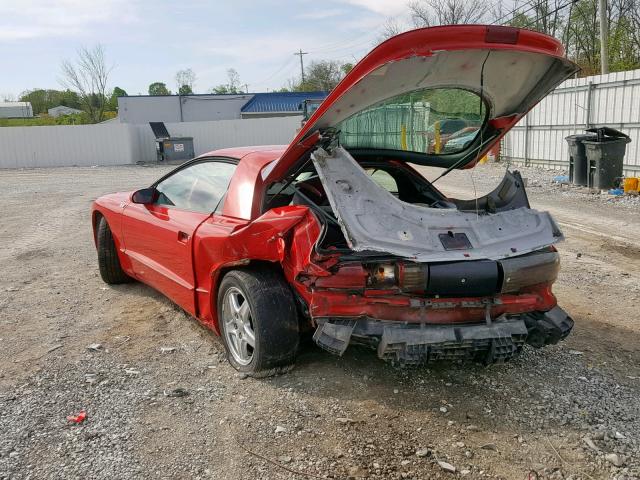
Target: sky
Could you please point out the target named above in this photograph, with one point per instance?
(150, 40)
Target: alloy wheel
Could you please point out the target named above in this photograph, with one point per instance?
(238, 327)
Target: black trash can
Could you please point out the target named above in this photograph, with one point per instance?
(578, 165)
(605, 156)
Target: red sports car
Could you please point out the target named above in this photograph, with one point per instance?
(338, 235)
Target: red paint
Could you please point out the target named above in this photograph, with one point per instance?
(158, 242)
(417, 309)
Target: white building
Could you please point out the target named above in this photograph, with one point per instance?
(62, 110)
(208, 107)
(16, 110)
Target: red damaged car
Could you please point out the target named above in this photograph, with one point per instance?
(338, 235)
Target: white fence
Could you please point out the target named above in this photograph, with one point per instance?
(538, 139)
(117, 144)
(603, 100)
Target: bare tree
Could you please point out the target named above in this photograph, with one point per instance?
(575, 22)
(429, 13)
(234, 80)
(232, 85)
(546, 16)
(185, 80)
(390, 28)
(634, 20)
(89, 76)
(624, 34)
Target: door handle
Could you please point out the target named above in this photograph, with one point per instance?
(183, 237)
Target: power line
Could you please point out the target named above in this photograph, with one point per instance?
(276, 72)
(513, 12)
(348, 46)
(533, 22)
(301, 53)
(538, 19)
(354, 38)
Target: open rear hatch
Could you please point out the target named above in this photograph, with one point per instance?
(467, 84)
(441, 97)
(374, 220)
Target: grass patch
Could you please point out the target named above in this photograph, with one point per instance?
(46, 120)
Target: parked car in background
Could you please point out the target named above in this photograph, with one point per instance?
(441, 130)
(337, 235)
(309, 106)
(459, 140)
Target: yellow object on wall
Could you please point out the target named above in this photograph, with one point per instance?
(403, 137)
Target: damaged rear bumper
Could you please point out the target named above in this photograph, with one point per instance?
(414, 344)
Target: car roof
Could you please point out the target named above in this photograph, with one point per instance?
(241, 152)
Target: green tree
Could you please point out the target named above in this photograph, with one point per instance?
(346, 68)
(113, 100)
(577, 24)
(220, 90)
(43, 99)
(38, 98)
(118, 92)
(185, 80)
(624, 34)
(67, 98)
(232, 86)
(322, 75)
(159, 88)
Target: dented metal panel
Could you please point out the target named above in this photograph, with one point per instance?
(374, 220)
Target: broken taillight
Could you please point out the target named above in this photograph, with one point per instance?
(410, 277)
(382, 275)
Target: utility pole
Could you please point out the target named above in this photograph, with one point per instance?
(604, 37)
(300, 53)
(246, 88)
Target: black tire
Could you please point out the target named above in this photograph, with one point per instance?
(108, 261)
(273, 319)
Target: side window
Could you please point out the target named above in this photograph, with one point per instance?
(198, 188)
(384, 179)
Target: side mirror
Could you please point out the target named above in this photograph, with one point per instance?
(145, 196)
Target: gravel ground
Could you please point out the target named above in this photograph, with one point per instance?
(161, 401)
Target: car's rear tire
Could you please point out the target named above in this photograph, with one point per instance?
(258, 321)
(108, 261)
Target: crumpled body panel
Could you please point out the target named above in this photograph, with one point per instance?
(372, 219)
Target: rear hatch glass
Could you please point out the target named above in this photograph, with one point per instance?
(420, 121)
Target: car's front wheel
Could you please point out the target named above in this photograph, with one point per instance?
(108, 261)
(258, 321)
